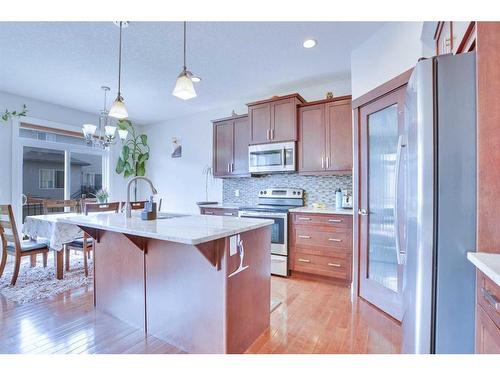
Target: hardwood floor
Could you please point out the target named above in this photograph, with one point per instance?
(68, 323)
(315, 317)
(318, 317)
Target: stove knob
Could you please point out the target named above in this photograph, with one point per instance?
(294, 192)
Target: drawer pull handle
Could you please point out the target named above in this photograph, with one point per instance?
(304, 260)
(208, 212)
(334, 265)
(492, 300)
(334, 220)
(335, 239)
(306, 237)
(228, 213)
(305, 218)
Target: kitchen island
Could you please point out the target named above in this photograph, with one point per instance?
(201, 283)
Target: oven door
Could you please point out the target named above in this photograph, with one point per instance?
(279, 230)
(274, 157)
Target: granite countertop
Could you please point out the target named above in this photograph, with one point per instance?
(186, 229)
(326, 210)
(487, 263)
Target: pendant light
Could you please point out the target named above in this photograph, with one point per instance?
(184, 88)
(118, 109)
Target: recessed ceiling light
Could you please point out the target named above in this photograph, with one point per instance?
(309, 43)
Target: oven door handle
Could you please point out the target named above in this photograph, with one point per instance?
(264, 214)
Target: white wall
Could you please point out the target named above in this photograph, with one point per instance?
(180, 182)
(392, 50)
(44, 111)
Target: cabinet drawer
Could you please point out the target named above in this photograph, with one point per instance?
(218, 211)
(322, 265)
(335, 238)
(487, 333)
(338, 221)
(488, 297)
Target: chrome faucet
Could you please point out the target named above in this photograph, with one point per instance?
(128, 208)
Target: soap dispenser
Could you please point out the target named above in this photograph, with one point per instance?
(149, 212)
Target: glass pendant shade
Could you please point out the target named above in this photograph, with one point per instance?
(118, 109)
(122, 134)
(184, 88)
(89, 130)
(110, 130)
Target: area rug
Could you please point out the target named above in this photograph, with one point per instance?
(39, 283)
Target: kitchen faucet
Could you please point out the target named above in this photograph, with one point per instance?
(128, 208)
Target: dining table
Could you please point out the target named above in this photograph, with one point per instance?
(56, 233)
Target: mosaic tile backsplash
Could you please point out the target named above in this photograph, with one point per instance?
(319, 189)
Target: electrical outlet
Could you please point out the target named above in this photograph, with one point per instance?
(237, 193)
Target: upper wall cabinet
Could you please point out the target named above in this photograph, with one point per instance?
(455, 37)
(275, 119)
(231, 140)
(325, 137)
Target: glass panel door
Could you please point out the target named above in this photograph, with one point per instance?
(85, 175)
(382, 146)
(382, 201)
(43, 178)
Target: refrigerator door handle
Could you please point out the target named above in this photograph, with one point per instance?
(400, 254)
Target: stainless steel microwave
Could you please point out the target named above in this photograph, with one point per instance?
(271, 158)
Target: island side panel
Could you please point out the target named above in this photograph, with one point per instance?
(185, 295)
(248, 293)
(119, 278)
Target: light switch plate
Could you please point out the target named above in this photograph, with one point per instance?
(233, 245)
(237, 193)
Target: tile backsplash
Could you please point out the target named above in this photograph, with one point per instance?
(317, 188)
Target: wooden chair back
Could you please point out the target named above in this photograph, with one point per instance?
(55, 205)
(8, 229)
(138, 205)
(101, 207)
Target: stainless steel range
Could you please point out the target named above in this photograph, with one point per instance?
(274, 204)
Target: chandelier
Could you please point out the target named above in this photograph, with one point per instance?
(103, 135)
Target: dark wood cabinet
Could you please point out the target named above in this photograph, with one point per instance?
(275, 119)
(321, 244)
(230, 146)
(325, 137)
(455, 37)
(487, 315)
(338, 118)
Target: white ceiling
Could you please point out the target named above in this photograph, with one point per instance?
(66, 62)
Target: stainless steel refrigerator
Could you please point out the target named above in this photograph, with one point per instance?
(439, 195)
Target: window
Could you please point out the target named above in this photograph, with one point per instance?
(51, 179)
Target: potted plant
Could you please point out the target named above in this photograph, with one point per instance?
(102, 196)
(135, 153)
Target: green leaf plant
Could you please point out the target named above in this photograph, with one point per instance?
(7, 115)
(135, 152)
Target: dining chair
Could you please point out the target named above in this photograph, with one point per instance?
(56, 205)
(138, 205)
(86, 244)
(12, 245)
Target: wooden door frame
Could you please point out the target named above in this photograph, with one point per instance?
(373, 95)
